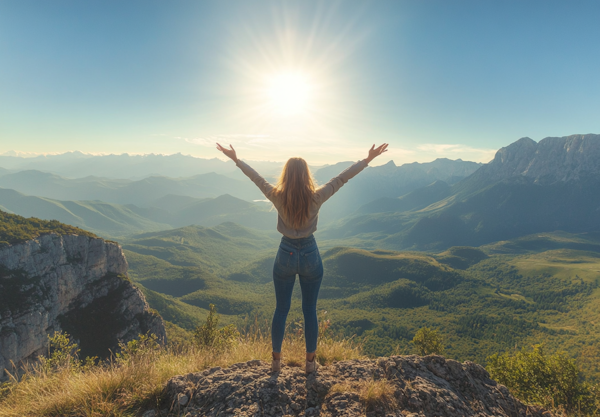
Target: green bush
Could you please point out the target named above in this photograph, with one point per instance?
(17, 229)
(428, 342)
(549, 380)
(209, 335)
(63, 354)
(144, 346)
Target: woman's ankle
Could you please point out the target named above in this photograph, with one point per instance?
(276, 355)
(311, 356)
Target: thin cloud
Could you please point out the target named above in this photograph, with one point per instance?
(465, 152)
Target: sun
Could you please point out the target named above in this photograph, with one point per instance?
(289, 93)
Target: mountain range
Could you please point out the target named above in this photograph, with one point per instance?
(77, 165)
(117, 220)
(123, 191)
(527, 188)
(117, 207)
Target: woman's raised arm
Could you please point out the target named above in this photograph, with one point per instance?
(336, 183)
(260, 182)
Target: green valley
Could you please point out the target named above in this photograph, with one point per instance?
(542, 288)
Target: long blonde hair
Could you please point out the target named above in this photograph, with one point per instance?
(295, 188)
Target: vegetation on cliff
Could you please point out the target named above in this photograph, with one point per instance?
(134, 380)
(17, 229)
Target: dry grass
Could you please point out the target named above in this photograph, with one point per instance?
(124, 388)
(378, 394)
(373, 394)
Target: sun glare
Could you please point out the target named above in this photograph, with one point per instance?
(289, 93)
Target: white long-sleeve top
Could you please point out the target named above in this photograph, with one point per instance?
(321, 195)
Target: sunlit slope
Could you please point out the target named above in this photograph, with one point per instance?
(214, 248)
(172, 310)
(541, 242)
(115, 220)
(355, 267)
(193, 263)
(102, 218)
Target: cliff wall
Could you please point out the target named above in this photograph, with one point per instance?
(73, 283)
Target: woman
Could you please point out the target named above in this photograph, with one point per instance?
(297, 200)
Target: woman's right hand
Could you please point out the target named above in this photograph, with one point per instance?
(228, 152)
(375, 152)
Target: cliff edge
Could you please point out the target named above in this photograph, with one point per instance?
(413, 386)
(73, 283)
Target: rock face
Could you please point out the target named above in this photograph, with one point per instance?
(551, 159)
(73, 283)
(421, 386)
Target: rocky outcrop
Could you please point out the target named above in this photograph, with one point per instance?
(77, 284)
(551, 159)
(419, 386)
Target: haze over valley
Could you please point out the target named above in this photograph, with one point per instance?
(492, 254)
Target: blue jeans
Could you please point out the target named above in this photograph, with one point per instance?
(297, 256)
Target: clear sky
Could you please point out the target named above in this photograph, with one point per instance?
(318, 79)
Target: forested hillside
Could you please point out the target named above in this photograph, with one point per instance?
(536, 289)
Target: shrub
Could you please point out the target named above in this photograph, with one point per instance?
(146, 345)
(210, 335)
(549, 380)
(17, 229)
(428, 341)
(62, 353)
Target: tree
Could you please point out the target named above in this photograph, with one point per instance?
(428, 342)
(211, 336)
(536, 377)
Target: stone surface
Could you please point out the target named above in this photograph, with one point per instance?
(422, 386)
(72, 283)
(550, 160)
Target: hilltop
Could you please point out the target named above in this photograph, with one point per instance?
(399, 386)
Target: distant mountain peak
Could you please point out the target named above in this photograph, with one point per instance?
(549, 160)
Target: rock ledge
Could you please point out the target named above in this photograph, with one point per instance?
(422, 386)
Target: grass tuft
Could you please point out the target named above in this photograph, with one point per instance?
(373, 394)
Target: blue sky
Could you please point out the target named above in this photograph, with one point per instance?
(456, 79)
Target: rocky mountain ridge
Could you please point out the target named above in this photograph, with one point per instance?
(416, 386)
(549, 160)
(73, 283)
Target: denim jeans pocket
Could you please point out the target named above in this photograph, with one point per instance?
(311, 262)
(284, 260)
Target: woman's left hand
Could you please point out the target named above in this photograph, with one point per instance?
(228, 152)
(374, 152)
